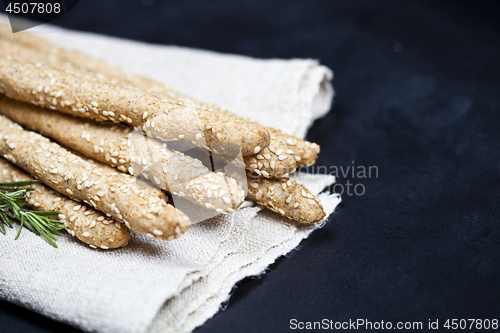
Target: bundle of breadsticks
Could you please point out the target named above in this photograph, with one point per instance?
(89, 131)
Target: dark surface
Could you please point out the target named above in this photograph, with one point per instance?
(423, 241)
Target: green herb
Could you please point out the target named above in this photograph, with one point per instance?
(13, 209)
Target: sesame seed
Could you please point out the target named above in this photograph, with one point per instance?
(282, 157)
(198, 136)
(77, 207)
(289, 151)
(256, 150)
(267, 156)
(260, 157)
(100, 193)
(54, 171)
(104, 247)
(265, 173)
(72, 218)
(157, 232)
(296, 205)
(69, 191)
(226, 200)
(94, 104)
(282, 212)
(278, 152)
(85, 234)
(157, 181)
(273, 164)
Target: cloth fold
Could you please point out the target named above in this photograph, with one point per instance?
(157, 286)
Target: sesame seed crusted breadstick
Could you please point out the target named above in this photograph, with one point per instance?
(36, 49)
(306, 153)
(286, 197)
(129, 151)
(81, 221)
(276, 160)
(114, 194)
(69, 93)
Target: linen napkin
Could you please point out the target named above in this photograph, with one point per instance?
(158, 286)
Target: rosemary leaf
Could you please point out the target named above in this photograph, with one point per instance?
(12, 209)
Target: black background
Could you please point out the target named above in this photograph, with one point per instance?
(423, 241)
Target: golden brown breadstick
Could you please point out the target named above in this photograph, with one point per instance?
(285, 197)
(35, 49)
(69, 93)
(130, 151)
(306, 153)
(112, 193)
(276, 160)
(80, 220)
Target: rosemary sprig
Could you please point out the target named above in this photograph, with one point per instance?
(13, 209)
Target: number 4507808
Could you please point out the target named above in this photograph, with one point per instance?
(462, 324)
(33, 8)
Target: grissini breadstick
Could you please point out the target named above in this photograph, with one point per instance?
(306, 152)
(286, 197)
(68, 93)
(276, 160)
(34, 49)
(114, 194)
(81, 221)
(129, 151)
